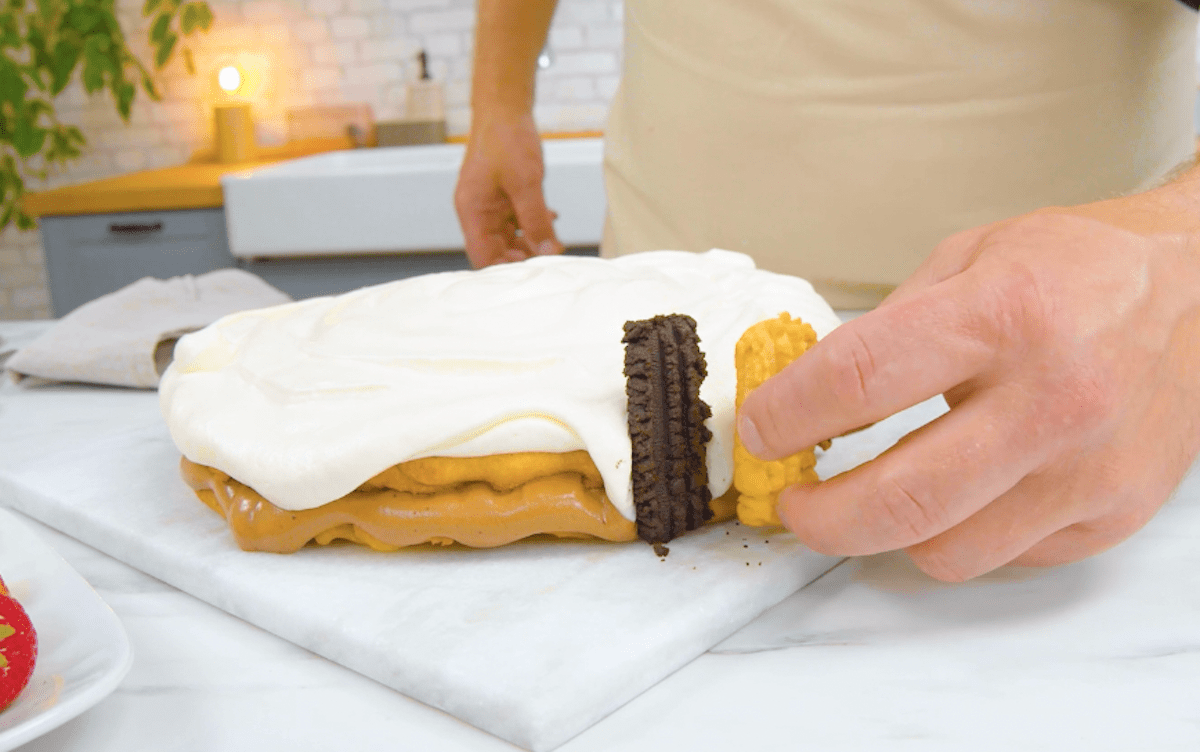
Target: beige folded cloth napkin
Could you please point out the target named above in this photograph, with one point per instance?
(126, 338)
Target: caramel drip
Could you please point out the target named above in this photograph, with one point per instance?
(473, 514)
(564, 504)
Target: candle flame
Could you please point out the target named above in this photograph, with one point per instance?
(229, 78)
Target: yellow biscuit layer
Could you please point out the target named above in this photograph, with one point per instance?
(503, 472)
(763, 351)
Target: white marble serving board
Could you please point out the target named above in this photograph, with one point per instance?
(533, 642)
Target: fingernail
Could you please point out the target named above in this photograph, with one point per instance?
(780, 504)
(748, 432)
(545, 248)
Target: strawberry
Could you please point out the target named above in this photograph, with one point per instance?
(18, 648)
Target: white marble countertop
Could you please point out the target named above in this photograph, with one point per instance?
(1099, 655)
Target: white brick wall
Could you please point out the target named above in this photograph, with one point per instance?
(23, 293)
(319, 52)
(350, 27)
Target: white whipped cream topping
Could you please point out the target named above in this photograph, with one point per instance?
(304, 402)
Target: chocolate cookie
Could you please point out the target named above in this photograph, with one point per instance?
(663, 369)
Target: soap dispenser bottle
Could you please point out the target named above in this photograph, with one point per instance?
(425, 106)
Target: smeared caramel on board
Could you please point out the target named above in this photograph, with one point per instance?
(566, 503)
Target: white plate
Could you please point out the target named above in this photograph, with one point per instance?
(83, 651)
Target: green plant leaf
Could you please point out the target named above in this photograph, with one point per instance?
(187, 19)
(206, 15)
(113, 25)
(12, 83)
(39, 57)
(164, 51)
(148, 84)
(27, 137)
(35, 42)
(35, 108)
(62, 146)
(195, 15)
(50, 9)
(124, 92)
(96, 63)
(148, 8)
(62, 63)
(10, 33)
(162, 25)
(92, 75)
(82, 18)
(96, 50)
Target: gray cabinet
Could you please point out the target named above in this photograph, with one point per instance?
(310, 276)
(92, 255)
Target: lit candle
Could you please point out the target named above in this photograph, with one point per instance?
(234, 126)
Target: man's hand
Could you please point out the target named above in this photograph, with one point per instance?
(499, 196)
(1067, 344)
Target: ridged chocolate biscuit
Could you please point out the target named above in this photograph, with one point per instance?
(663, 369)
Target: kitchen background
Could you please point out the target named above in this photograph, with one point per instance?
(320, 52)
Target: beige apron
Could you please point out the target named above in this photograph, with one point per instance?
(840, 140)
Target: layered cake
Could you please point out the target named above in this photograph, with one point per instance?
(477, 407)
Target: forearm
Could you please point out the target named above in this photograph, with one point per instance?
(509, 35)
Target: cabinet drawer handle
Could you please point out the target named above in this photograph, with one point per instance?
(129, 230)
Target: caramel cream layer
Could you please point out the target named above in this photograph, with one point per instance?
(568, 503)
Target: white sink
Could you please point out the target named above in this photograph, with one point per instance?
(397, 199)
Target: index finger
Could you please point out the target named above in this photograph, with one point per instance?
(484, 249)
(487, 230)
(534, 218)
(878, 364)
(931, 481)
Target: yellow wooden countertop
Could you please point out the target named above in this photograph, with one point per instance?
(196, 185)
